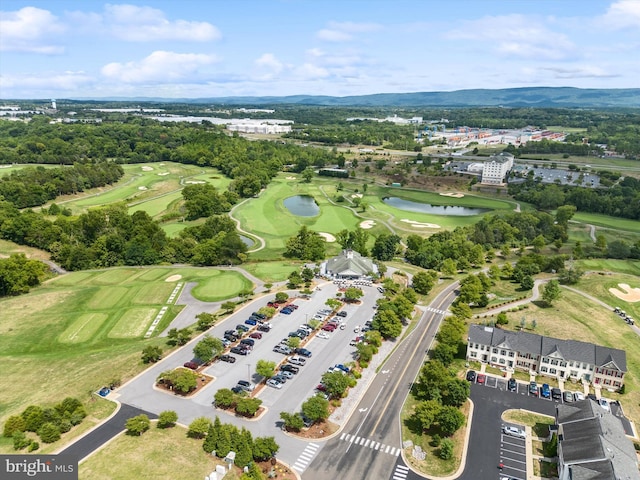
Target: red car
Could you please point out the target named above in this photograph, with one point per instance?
(257, 335)
(329, 327)
(481, 378)
(191, 365)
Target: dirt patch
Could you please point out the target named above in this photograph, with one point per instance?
(194, 182)
(452, 194)
(415, 224)
(626, 293)
(173, 278)
(317, 430)
(290, 178)
(367, 224)
(327, 236)
(147, 169)
(164, 173)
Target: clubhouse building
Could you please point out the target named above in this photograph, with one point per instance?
(349, 265)
(562, 359)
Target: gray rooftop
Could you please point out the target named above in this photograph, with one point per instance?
(350, 263)
(569, 350)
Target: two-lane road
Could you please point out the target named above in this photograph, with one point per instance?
(370, 443)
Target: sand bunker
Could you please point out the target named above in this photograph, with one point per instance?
(147, 169)
(327, 236)
(290, 178)
(367, 224)
(194, 181)
(163, 174)
(452, 194)
(173, 278)
(415, 224)
(356, 195)
(626, 293)
(142, 188)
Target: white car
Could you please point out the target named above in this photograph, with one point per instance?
(272, 382)
(604, 404)
(578, 396)
(296, 360)
(514, 431)
(324, 335)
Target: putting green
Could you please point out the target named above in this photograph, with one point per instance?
(133, 323)
(220, 287)
(83, 328)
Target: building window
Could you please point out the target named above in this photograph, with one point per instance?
(554, 362)
(494, 359)
(543, 369)
(503, 352)
(545, 360)
(511, 354)
(473, 354)
(495, 350)
(502, 361)
(552, 371)
(563, 364)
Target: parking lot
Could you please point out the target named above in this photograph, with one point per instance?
(513, 453)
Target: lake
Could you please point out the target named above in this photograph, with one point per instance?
(302, 205)
(419, 207)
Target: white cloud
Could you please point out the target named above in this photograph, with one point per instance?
(343, 31)
(516, 35)
(30, 29)
(143, 24)
(309, 71)
(67, 81)
(623, 14)
(159, 67)
(270, 62)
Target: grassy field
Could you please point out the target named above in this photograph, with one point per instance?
(615, 223)
(9, 248)
(575, 317)
(81, 329)
(271, 272)
(146, 456)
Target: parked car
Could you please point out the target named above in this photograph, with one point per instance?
(246, 385)
(264, 328)
(341, 313)
(244, 328)
(471, 375)
(272, 382)
(191, 365)
(342, 367)
(226, 342)
(556, 393)
(282, 349)
(604, 404)
(481, 378)
(304, 352)
(329, 327)
(302, 333)
(296, 360)
(238, 390)
(248, 341)
(324, 335)
(228, 358)
(280, 378)
(239, 350)
(512, 385)
(251, 321)
(577, 396)
(533, 388)
(293, 306)
(290, 368)
(256, 335)
(286, 310)
(259, 315)
(545, 391)
(285, 374)
(321, 387)
(514, 431)
(567, 396)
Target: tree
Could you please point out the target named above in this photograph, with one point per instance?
(224, 398)
(167, 419)
(307, 275)
(316, 408)
(268, 312)
(253, 473)
(243, 446)
(570, 276)
(306, 245)
(307, 175)
(385, 247)
(450, 419)
(208, 348)
(426, 412)
(551, 292)
(461, 310)
(446, 449)
(211, 440)
(264, 448)
(292, 421)
(151, 354)
(207, 320)
(449, 267)
(619, 249)
(352, 294)
(538, 243)
(293, 342)
(502, 319)
(182, 380)
(228, 306)
(333, 304)
(527, 282)
(601, 242)
(265, 368)
(365, 352)
(33, 417)
(178, 337)
(225, 434)
(199, 427)
(282, 297)
(13, 424)
(294, 279)
(387, 323)
(456, 392)
(248, 406)
(336, 383)
(137, 425)
(423, 282)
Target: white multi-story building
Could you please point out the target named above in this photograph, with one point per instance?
(562, 359)
(496, 168)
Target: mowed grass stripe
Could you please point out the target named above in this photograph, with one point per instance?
(133, 323)
(107, 297)
(83, 328)
(150, 294)
(117, 275)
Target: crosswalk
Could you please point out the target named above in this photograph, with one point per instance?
(305, 457)
(400, 472)
(368, 443)
(435, 310)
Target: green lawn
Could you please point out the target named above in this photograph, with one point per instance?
(271, 272)
(615, 223)
(82, 330)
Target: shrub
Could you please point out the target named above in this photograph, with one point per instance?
(49, 433)
(151, 354)
(435, 440)
(137, 425)
(20, 440)
(33, 446)
(199, 427)
(167, 419)
(13, 424)
(64, 426)
(248, 406)
(446, 449)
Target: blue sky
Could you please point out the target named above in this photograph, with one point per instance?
(212, 48)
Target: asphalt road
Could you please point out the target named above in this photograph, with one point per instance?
(370, 443)
(105, 432)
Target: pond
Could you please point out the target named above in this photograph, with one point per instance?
(302, 205)
(418, 207)
(247, 241)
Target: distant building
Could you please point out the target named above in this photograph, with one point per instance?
(349, 265)
(592, 444)
(496, 168)
(563, 359)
